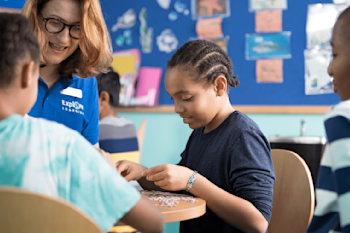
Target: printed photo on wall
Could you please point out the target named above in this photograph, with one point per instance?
(210, 8)
(257, 5)
(341, 1)
(222, 42)
(317, 80)
(268, 21)
(269, 71)
(268, 46)
(209, 28)
(320, 21)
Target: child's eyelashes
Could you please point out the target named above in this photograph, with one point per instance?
(183, 99)
(188, 99)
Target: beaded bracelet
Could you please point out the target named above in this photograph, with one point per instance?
(191, 181)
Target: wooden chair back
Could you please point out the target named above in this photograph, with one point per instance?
(141, 134)
(294, 198)
(26, 212)
(131, 156)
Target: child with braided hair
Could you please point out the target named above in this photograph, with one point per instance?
(227, 160)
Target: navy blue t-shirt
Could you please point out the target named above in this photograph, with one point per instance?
(237, 158)
(80, 114)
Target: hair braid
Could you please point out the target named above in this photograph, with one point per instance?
(206, 60)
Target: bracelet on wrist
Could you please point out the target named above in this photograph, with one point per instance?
(191, 181)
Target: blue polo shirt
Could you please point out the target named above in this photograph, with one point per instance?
(80, 114)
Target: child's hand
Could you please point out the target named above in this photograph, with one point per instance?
(168, 176)
(130, 170)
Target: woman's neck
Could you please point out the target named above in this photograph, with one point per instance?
(49, 74)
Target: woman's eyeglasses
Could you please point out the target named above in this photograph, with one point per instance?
(53, 25)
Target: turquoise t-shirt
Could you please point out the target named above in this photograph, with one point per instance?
(48, 158)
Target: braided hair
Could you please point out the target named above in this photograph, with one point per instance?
(205, 61)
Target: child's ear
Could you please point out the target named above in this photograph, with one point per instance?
(104, 97)
(220, 85)
(26, 74)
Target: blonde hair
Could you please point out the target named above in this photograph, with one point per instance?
(94, 54)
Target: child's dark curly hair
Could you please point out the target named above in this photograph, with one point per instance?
(204, 60)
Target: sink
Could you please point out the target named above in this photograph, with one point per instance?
(299, 140)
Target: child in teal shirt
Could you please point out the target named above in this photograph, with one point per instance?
(48, 158)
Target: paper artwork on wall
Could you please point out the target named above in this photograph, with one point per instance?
(124, 64)
(146, 34)
(341, 1)
(269, 71)
(147, 89)
(127, 20)
(167, 41)
(125, 67)
(257, 5)
(164, 4)
(119, 41)
(127, 35)
(210, 8)
(268, 21)
(179, 7)
(320, 21)
(222, 42)
(209, 28)
(129, 78)
(267, 46)
(172, 16)
(317, 80)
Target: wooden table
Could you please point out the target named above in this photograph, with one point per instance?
(182, 211)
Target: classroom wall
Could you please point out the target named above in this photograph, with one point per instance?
(166, 135)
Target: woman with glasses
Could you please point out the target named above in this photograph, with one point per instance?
(75, 46)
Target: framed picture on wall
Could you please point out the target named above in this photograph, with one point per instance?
(11, 10)
(210, 8)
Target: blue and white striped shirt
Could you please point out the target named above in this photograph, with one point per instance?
(332, 213)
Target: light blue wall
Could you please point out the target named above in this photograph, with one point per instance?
(166, 135)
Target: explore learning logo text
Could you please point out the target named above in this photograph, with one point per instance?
(72, 106)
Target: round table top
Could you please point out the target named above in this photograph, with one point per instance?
(182, 211)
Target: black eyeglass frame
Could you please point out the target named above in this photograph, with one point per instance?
(64, 26)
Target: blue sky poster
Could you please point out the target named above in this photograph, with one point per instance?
(268, 46)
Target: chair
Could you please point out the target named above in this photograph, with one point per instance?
(141, 134)
(134, 158)
(294, 198)
(26, 212)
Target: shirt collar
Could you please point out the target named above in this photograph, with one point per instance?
(62, 82)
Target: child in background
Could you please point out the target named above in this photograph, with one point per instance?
(48, 158)
(117, 134)
(332, 213)
(227, 160)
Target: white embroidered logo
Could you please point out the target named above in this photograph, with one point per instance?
(73, 106)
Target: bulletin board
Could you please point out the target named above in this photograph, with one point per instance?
(249, 92)
(289, 93)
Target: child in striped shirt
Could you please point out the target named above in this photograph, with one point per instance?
(332, 213)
